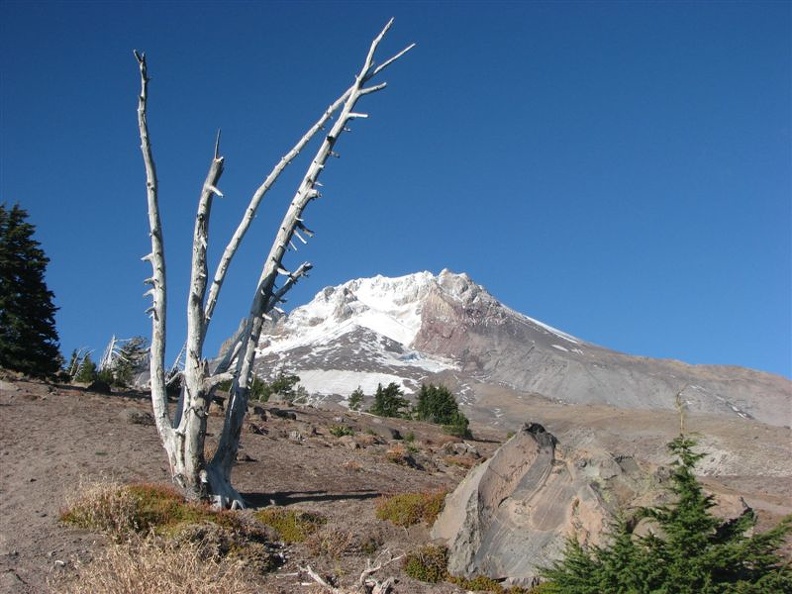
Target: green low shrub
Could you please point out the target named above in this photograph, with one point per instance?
(482, 583)
(427, 564)
(341, 430)
(292, 525)
(408, 509)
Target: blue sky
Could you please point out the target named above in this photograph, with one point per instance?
(618, 170)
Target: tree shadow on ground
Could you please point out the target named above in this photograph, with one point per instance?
(257, 500)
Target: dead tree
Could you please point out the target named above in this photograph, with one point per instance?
(183, 432)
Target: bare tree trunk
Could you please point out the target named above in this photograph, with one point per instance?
(183, 436)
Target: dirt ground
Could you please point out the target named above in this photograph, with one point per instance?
(53, 438)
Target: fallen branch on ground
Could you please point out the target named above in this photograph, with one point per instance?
(366, 584)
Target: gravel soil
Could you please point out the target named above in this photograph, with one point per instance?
(55, 438)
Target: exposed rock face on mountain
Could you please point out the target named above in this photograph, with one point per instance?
(423, 327)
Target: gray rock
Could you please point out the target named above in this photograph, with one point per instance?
(512, 513)
(461, 448)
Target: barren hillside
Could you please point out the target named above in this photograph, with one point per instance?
(53, 438)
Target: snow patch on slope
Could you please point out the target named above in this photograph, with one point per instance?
(328, 382)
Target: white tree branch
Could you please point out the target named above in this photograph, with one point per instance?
(262, 301)
(365, 582)
(156, 258)
(371, 569)
(255, 201)
(374, 89)
(318, 579)
(390, 61)
(366, 73)
(213, 381)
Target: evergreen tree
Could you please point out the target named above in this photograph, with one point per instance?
(28, 338)
(696, 553)
(436, 404)
(284, 385)
(86, 371)
(356, 399)
(389, 401)
(132, 358)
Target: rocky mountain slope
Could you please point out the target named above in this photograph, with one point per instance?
(597, 420)
(422, 327)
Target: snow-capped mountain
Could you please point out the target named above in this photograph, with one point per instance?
(446, 328)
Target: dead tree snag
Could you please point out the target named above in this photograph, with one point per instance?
(183, 432)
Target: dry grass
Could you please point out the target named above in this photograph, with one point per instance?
(103, 505)
(331, 543)
(463, 461)
(210, 447)
(118, 510)
(251, 544)
(402, 455)
(147, 566)
(334, 542)
(367, 439)
(353, 465)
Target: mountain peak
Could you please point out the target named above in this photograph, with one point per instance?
(388, 306)
(407, 329)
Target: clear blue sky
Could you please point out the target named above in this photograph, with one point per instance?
(619, 170)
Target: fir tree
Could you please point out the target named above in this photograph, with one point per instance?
(694, 551)
(86, 371)
(389, 401)
(132, 358)
(28, 338)
(436, 404)
(356, 399)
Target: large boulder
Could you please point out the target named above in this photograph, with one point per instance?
(513, 513)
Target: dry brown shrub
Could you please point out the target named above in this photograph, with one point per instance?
(353, 465)
(398, 454)
(403, 456)
(103, 505)
(248, 542)
(334, 543)
(367, 439)
(330, 543)
(465, 461)
(120, 510)
(150, 566)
